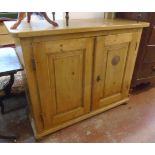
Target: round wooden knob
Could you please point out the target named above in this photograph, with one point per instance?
(115, 60)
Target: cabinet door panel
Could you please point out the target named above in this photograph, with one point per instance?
(68, 77)
(116, 58)
(63, 70)
(112, 62)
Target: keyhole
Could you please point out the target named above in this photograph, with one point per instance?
(98, 78)
(73, 73)
(61, 47)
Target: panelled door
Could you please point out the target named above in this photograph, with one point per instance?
(112, 70)
(64, 73)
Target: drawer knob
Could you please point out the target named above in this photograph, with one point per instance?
(115, 60)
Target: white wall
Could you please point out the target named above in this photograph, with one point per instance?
(77, 15)
(82, 15)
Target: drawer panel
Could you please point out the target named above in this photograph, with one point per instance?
(118, 39)
(147, 70)
(3, 30)
(6, 39)
(149, 54)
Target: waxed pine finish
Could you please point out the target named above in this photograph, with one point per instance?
(75, 72)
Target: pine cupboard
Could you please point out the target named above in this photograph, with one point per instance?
(75, 72)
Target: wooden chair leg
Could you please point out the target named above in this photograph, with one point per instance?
(53, 14)
(49, 20)
(67, 18)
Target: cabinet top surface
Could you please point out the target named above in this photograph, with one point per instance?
(43, 28)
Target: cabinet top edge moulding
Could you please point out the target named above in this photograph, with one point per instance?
(42, 28)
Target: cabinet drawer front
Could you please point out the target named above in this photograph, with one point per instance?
(149, 56)
(147, 70)
(64, 78)
(60, 46)
(117, 39)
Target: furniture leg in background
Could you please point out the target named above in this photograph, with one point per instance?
(9, 65)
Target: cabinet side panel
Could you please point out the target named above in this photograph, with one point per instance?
(26, 45)
(131, 59)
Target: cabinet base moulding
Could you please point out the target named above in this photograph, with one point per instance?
(86, 116)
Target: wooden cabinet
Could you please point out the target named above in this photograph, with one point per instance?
(144, 71)
(75, 72)
(114, 61)
(64, 70)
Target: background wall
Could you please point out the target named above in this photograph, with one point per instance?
(58, 15)
(82, 15)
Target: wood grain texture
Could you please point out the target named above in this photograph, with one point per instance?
(83, 117)
(42, 28)
(131, 59)
(75, 73)
(65, 69)
(111, 82)
(31, 84)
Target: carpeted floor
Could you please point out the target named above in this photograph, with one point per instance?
(17, 86)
